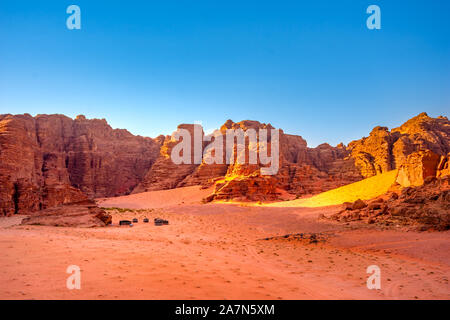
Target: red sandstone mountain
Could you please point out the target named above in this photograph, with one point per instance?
(386, 150)
(51, 159)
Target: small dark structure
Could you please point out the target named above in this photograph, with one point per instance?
(135, 220)
(160, 222)
(125, 223)
(145, 220)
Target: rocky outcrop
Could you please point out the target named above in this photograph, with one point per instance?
(165, 174)
(443, 168)
(51, 159)
(417, 167)
(245, 188)
(386, 150)
(302, 170)
(425, 207)
(420, 197)
(373, 154)
(84, 214)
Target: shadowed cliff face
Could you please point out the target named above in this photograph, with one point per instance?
(51, 159)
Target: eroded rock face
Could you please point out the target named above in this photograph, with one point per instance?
(246, 188)
(417, 167)
(51, 159)
(165, 174)
(84, 214)
(302, 170)
(443, 168)
(386, 150)
(373, 154)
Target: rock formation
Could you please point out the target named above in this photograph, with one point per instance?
(51, 159)
(84, 214)
(415, 148)
(302, 170)
(420, 196)
(165, 174)
(386, 150)
(417, 167)
(421, 207)
(443, 168)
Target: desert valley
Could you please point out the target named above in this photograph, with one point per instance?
(308, 232)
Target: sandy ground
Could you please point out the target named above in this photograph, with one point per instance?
(217, 251)
(158, 199)
(366, 189)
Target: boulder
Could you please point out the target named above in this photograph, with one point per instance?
(374, 206)
(418, 167)
(358, 204)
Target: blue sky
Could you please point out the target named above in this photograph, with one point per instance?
(309, 67)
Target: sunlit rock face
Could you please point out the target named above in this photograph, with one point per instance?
(373, 154)
(443, 168)
(417, 167)
(386, 150)
(243, 179)
(51, 159)
(302, 170)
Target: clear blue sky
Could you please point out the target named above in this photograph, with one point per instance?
(309, 67)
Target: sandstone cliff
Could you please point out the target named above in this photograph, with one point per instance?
(386, 150)
(48, 160)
